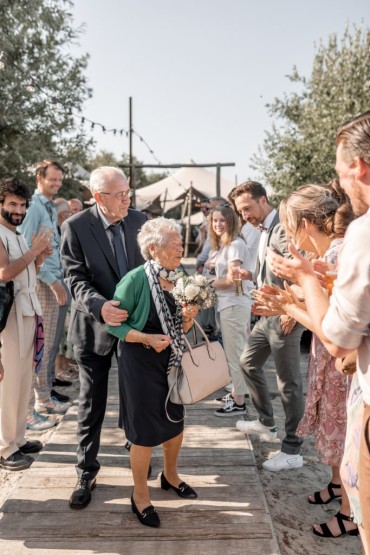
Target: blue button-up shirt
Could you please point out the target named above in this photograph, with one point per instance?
(42, 212)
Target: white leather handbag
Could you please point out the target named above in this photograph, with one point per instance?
(203, 371)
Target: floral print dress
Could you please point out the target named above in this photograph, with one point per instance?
(325, 411)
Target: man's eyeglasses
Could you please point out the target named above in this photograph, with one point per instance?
(119, 196)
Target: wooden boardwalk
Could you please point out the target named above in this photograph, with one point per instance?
(230, 515)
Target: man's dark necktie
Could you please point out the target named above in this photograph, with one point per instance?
(119, 251)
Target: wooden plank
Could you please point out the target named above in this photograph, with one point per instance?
(229, 515)
(48, 478)
(108, 498)
(175, 524)
(142, 547)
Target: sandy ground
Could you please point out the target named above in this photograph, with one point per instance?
(286, 491)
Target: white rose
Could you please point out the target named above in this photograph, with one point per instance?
(163, 274)
(203, 294)
(191, 291)
(180, 285)
(200, 280)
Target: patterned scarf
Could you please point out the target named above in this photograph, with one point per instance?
(171, 326)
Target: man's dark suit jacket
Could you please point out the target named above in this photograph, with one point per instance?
(91, 274)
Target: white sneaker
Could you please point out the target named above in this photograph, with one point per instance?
(283, 461)
(39, 423)
(257, 428)
(53, 406)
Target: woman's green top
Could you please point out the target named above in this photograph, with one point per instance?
(133, 293)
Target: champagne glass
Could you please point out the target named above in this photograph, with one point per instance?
(237, 278)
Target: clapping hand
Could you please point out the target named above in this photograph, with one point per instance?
(321, 267)
(293, 269)
(41, 245)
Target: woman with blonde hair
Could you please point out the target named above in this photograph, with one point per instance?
(316, 218)
(233, 307)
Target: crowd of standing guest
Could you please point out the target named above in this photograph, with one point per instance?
(92, 263)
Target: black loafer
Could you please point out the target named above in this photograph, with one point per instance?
(57, 382)
(16, 461)
(184, 490)
(33, 446)
(81, 495)
(128, 447)
(148, 517)
(59, 396)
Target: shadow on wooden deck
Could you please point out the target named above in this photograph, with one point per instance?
(230, 514)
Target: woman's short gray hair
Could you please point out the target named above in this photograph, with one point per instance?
(155, 232)
(101, 177)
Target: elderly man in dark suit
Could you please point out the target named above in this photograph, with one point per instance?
(276, 335)
(98, 248)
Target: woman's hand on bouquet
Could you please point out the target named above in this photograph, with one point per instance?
(189, 311)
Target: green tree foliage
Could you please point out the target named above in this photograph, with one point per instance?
(41, 85)
(300, 148)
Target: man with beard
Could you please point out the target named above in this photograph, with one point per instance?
(18, 263)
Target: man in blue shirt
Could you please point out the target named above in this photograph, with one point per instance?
(50, 289)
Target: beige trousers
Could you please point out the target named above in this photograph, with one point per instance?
(16, 386)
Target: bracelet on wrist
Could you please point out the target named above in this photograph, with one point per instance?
(145, 343)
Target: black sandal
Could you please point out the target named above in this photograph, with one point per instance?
(318, 498)
(326, 532)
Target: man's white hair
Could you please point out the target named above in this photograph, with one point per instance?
(101, 177)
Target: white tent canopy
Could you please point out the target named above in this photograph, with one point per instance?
(173, 188)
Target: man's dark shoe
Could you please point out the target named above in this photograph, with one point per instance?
(32, 446)
(81, 495)
(16, 461)
(59, 396)
(57, 382)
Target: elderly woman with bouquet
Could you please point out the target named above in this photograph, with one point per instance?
(152, 341)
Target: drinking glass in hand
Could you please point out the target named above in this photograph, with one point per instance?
(330, 277)
(237, 281)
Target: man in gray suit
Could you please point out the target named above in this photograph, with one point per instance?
(98, 248)
(276, 335)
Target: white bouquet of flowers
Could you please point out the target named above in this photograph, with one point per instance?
(196, 290)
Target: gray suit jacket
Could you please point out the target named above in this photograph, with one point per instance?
(91, 274)
(277, 241)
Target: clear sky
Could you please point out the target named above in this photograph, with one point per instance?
(200, 72)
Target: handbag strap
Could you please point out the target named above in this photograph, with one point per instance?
(208, 344)
(173, 385)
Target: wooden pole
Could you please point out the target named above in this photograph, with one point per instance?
(218, 180)
(188, 224)
(130, 134)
